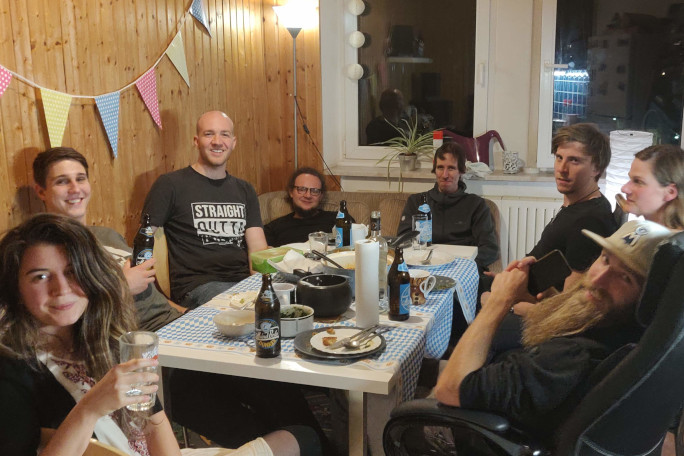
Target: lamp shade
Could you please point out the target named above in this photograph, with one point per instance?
(297, 14)
(624, 144)
(357, 39)
(354, 71)
(356, 7)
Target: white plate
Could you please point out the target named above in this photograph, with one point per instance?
(238, 300)
(341, 333)
(414, 258)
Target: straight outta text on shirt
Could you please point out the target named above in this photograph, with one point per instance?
(220, 223)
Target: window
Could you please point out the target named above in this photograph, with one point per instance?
(420, 62)
(618, 64)
(435, 52)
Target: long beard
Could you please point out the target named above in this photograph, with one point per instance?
(567, 314)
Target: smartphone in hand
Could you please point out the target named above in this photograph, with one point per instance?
(551, 269)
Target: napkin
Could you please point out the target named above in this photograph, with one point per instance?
(477, 169)
(295, 260)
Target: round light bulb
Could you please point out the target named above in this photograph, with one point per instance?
(354, 71)
(357, 39)
(356, 7)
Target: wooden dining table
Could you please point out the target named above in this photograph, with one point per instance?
(377, 382)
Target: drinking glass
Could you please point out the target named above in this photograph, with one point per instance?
(319, 241)
(418, 223)
(137, 345)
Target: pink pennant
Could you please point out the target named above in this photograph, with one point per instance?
(5, 78)
(147, 86)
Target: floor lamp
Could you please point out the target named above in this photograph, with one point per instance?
(295, 16)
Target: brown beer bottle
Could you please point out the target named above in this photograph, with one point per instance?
(343, 226)
(143, 243)
(399, 286)
(267, 320)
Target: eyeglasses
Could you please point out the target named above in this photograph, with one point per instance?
(303, 190)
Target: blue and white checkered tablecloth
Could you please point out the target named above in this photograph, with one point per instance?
(441, 303)
(403, 353)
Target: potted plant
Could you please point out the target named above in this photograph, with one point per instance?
(406, 149)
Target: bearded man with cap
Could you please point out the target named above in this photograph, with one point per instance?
(565, 337)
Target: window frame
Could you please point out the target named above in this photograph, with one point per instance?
(340, 94)
(546, 68)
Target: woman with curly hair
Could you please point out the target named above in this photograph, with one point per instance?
(64, 304)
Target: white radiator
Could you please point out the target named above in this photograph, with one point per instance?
(522, 222)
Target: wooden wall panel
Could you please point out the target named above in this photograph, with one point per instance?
(91, 48)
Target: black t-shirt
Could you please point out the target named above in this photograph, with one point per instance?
(205, 222)
(537, 388)
(564, 232)
(288, 229)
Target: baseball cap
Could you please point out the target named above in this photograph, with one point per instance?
(634, 243)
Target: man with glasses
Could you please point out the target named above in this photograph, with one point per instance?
(211, 219)
(306, 190)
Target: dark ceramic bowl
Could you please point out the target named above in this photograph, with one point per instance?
(329, 295)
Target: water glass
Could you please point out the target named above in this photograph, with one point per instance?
(138, 345)
(319, 241)
(418, 223)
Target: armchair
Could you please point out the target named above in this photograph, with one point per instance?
(627, 412)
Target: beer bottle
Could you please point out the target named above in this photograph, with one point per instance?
(382, 244)
(143, 243)
(399, 285)
(343, 226)
(426, 229)
(267, 320)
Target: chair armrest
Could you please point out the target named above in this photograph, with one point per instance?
(431, 407)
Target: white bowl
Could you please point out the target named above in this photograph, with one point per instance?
(290, 327)
(235, 323)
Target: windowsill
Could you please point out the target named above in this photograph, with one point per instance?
(424, 173)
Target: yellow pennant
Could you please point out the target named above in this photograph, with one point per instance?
(56, 110)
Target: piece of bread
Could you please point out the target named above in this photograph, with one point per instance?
(328, 341)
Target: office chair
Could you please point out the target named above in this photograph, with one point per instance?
(626, 412)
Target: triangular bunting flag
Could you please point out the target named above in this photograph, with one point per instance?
(56, 109)
(147, 86)
(108, 105)
(176, 53)
(198, 12)
(5, 78)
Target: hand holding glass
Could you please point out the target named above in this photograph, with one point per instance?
(137, 345)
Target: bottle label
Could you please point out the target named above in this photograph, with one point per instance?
(402, 267)
(424, 208)
(267, 333)
(340, 215)
(143, 256)
(404, 298)
(267, 295)
(146, 231)
(339, 239)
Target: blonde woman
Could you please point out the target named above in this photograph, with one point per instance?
(656, 186)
